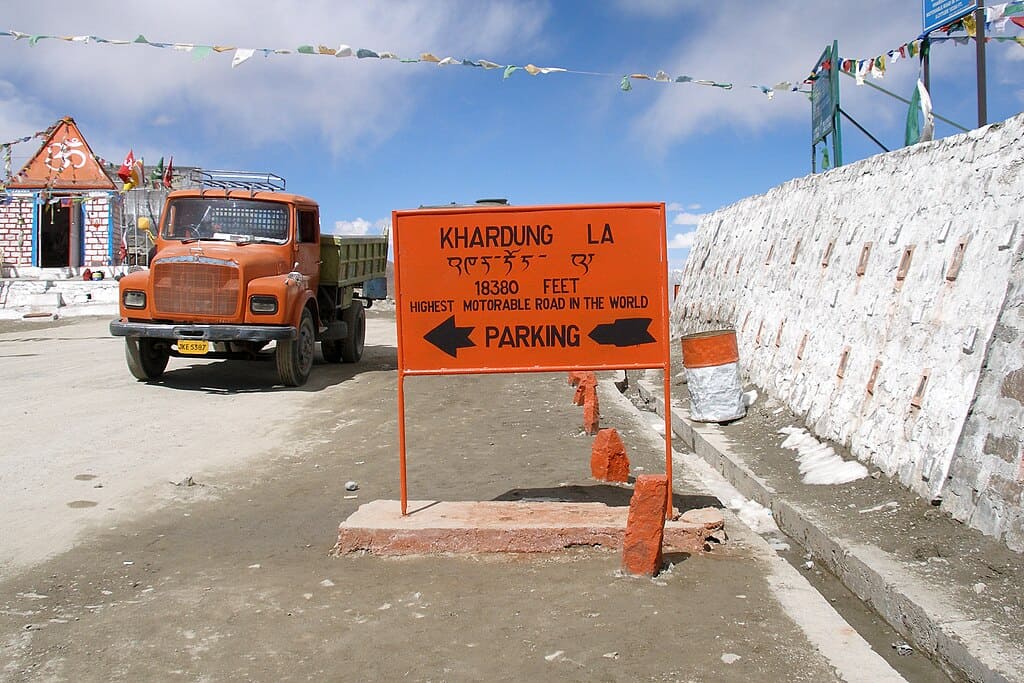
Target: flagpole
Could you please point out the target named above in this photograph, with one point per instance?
(926, 70)
(979, 41)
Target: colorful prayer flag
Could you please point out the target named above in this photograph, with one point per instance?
(158, 173)
(125, 172)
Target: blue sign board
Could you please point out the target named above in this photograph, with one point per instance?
(938, 13)
(823, 105)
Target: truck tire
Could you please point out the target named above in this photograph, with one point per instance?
(147, 358)
(355, 318)
(295, 356)
(331, 349)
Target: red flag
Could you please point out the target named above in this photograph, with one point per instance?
(169, 173)
(123, 249)
(125, 172)
(1018, 20)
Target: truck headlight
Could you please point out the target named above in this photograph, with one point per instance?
(133, 298)
(263, 305)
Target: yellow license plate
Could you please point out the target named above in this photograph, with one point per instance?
(191, 347)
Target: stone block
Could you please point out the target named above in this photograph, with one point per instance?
(379, 527)
(608, 459)
(587, 379)
(645, 526)
(46, 300)
(1013, 385)
(577, 376)
(591, 412)
(709, 518)
(1006, 447)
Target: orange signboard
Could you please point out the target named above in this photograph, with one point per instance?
(512, 289)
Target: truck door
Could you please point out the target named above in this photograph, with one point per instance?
(307, 245)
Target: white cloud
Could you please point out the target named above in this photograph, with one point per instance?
(687, 218)
(682, 240)
(655, 8)
(359, 226)
(679, 206)
(349, 103)
(731, 50)
(20, 117)
(163, 120)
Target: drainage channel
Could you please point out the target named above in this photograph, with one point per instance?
(902, 656)
(911, 663)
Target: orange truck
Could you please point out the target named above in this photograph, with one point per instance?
(240, 264)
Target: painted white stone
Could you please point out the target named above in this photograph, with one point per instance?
(929, 196)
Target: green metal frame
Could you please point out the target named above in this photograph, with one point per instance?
(832, 55)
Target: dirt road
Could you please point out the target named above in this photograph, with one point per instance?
(113, 572)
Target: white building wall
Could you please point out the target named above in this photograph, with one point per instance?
(16, 234)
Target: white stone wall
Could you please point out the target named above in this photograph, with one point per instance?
(986, 483)
(784, 269)
(54, 294)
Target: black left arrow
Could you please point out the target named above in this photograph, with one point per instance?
(450, 338)
(623, 332)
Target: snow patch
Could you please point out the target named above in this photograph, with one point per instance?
(658, 424)
(819, 463)
(754, 515)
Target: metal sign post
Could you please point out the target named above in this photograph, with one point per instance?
(979, 42)
(825, 105)
(938, 13)
(494, 289)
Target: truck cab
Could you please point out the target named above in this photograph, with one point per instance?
(240, 265)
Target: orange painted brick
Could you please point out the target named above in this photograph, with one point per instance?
(576, 376)
(608, 459)
(591, 412)
(588, 379)
(645, 526)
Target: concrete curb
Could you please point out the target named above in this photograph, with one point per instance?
(917, 611)
(74, 311)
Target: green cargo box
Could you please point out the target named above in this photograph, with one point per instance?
(352, 259)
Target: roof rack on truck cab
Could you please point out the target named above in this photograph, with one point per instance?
(238, 180)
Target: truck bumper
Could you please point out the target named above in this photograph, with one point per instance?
(255, 333)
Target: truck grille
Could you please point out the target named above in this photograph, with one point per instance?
(197, 288)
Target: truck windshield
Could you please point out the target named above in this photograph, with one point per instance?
(229, 220)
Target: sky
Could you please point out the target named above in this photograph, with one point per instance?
(366, 136)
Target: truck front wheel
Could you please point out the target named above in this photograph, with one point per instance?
(355, 318)
(295, 356)
(147, 358)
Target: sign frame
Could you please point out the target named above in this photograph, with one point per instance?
(822, 122)
(429, 342)
(944, 12)
(827, 87)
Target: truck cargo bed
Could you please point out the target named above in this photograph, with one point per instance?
(352, 259)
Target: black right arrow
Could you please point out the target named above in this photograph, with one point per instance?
(623, 332)
(450, 338)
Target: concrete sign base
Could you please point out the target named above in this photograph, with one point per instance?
(506, 526)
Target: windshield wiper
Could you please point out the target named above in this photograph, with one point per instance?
(258, 240)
